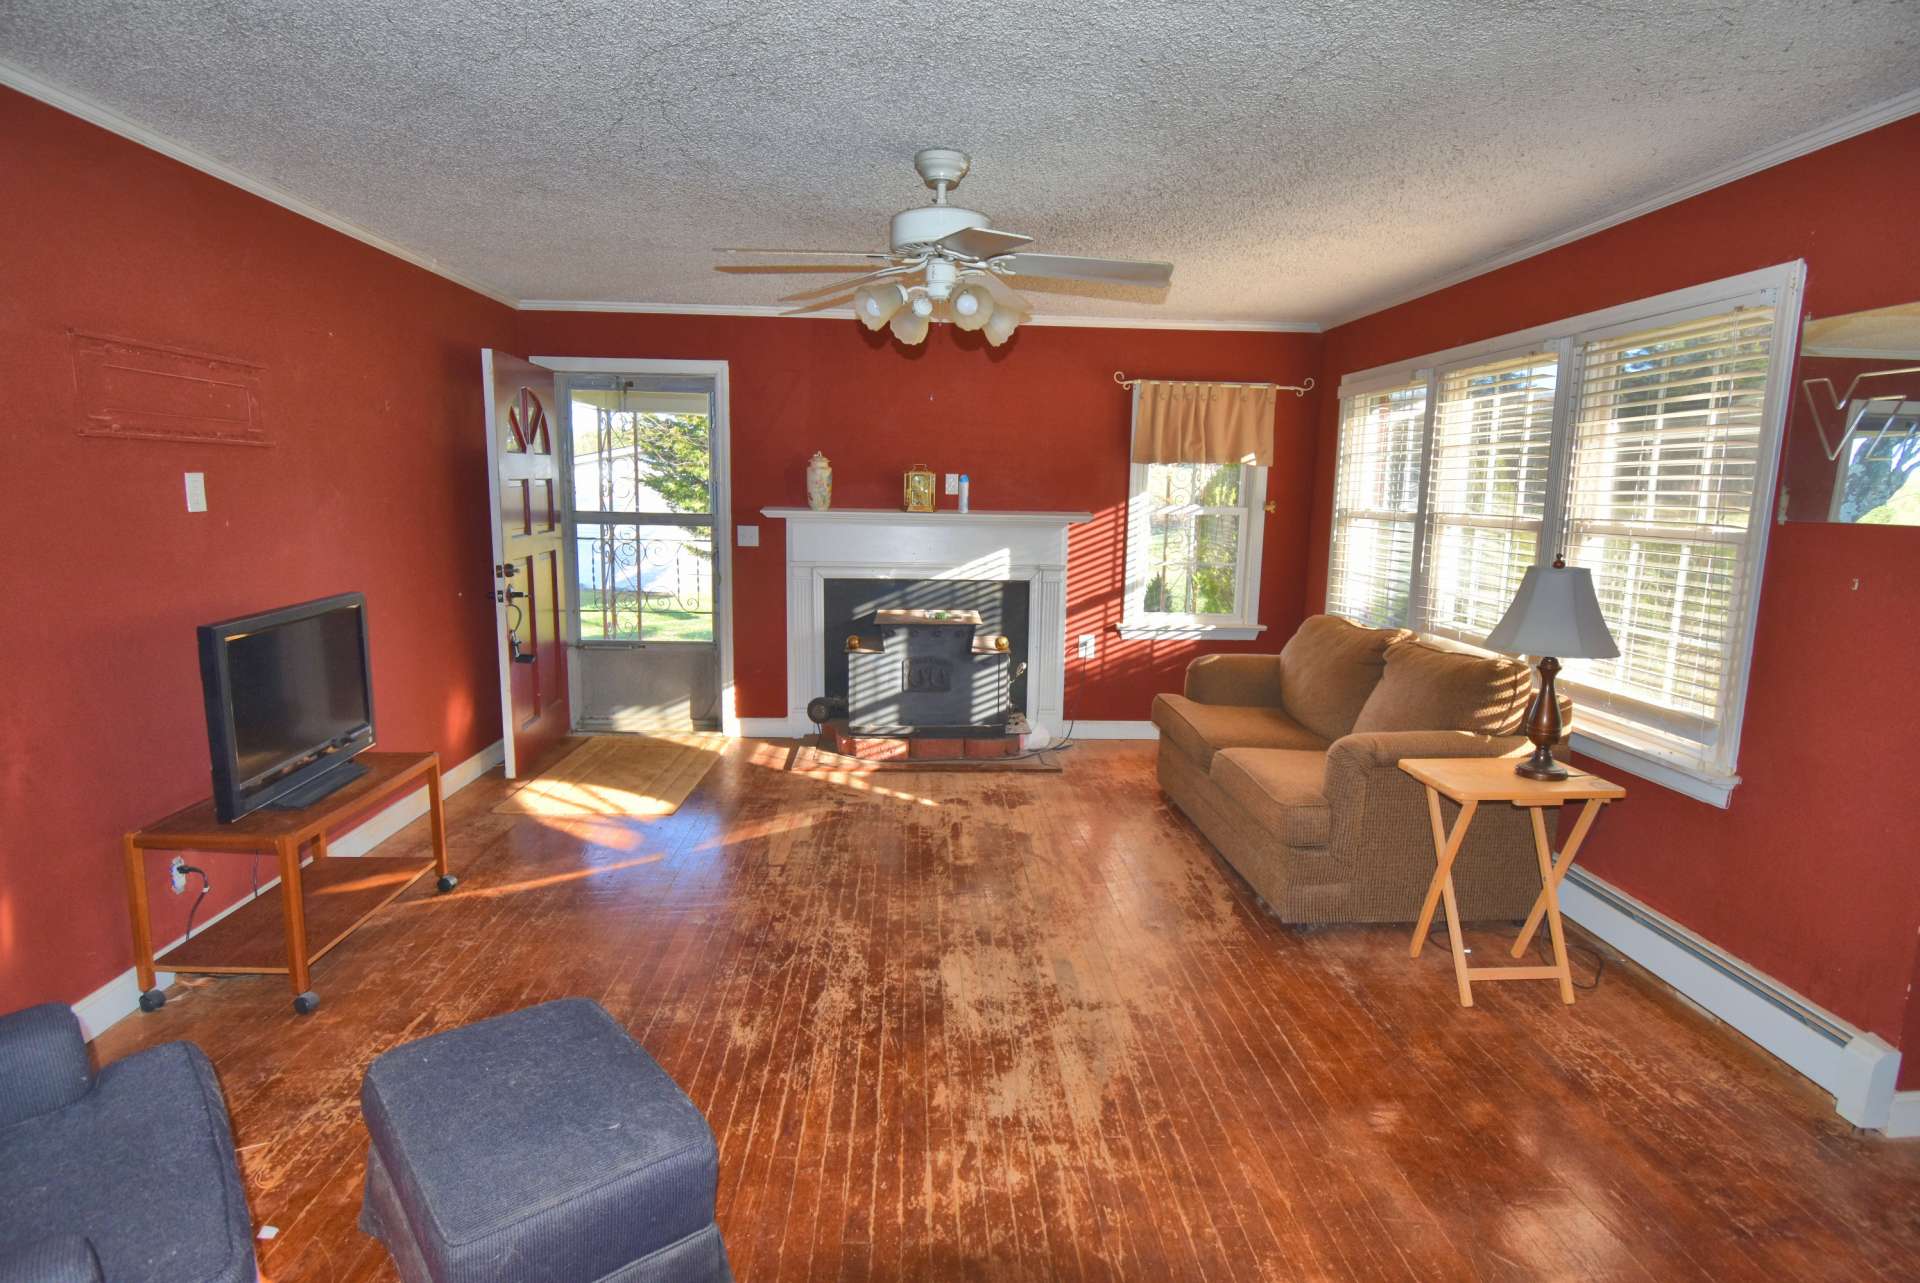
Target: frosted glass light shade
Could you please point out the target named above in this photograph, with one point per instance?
(972, 307)
(1001, 325)
(876, 304)
(909, 326)
(1554, 613)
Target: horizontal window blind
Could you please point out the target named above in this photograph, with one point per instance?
(1661, 506)
(1376, 502)
(1486, 491)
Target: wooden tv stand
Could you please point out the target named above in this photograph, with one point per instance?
(325, 901)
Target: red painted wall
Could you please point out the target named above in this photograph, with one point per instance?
(374, 482)
(1037, 424)
(1813, 874)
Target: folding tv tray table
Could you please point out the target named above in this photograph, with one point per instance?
(325, 899)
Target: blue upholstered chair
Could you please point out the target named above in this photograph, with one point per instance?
(127, 1176)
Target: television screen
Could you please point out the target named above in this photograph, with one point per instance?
(295, 687)
(289, 703)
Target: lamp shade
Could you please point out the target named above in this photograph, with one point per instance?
(908, 326)
(1001, 325)
(972, 306)
(876, 304)
(1554, 613)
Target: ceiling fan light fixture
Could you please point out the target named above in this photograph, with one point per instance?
(876, 304)
(922, 306)
(909, 326)
(1000, 326)
(972, 307)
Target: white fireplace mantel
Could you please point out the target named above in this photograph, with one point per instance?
(878, 543)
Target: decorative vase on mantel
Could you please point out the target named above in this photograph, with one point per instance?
(819, 482)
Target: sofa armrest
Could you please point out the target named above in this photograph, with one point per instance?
(43, 1062)
(61, 1258)
(1242, 680)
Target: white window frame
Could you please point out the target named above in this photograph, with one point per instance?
(1137, 623)
(1610, 739)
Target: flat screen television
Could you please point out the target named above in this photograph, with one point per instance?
(289, 703)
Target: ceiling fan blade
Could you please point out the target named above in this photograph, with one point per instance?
(787, 269)
(1068, 267)
(982, 242)
(801, 253)
(1003, 294)
(841, 287)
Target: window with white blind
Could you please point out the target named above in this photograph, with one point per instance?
(1642, 443)
(1486, 472)
(1376, 503)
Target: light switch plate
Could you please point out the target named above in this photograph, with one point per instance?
(953, 483)
(196, 492)
(746, 536)
(1087, 644)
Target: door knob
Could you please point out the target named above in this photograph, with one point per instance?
(507, 594)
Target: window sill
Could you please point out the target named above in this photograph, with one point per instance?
(1714, 790)
(1191, 632)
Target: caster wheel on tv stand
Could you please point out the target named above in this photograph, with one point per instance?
(306, 1002)
(446, 883)
(153, 1000)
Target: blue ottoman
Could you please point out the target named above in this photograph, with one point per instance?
(543, 1146)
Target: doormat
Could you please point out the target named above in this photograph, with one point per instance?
(808, 759)
(642, 776)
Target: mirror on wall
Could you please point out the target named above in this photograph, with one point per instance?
(1853, 430)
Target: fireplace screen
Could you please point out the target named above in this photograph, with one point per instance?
(925, 655)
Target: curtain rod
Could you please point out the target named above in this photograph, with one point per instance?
(1298, 389)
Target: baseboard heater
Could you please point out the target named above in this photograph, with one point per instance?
(1857, 1067)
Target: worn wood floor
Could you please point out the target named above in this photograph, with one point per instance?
(1029, 1027)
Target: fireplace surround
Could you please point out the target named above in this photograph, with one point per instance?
(974, 547)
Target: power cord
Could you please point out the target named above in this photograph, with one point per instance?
(206, 885)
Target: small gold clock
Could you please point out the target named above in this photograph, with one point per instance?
(918, 490)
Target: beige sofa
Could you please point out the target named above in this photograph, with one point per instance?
(1288, 764)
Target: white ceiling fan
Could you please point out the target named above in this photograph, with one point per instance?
(943, 256)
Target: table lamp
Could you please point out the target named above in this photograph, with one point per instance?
(1555, 613)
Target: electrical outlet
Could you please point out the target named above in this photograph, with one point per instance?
(196, 492)
(1087, 644)
(746, 537)
(177, 874)
(953, 483)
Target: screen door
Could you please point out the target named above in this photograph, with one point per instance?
(640, 505)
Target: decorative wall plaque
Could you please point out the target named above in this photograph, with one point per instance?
(147, 392)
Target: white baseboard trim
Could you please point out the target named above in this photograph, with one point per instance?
(120, 996)
(791, 728)
(1099, 730)
(1856, 1067)
(1903, 1117)
(773, 728)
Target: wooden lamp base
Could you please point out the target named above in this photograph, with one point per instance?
(1543, 727)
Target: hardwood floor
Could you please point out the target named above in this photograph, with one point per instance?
(1019, 1026)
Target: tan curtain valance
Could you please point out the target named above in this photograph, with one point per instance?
(1203, 422)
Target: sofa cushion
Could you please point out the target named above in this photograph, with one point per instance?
(1201, 730)
(1327, 670)
(142, 1167)
(1434, 687)
(1280, 789)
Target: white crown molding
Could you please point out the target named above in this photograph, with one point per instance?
(1884, 113)
(76, 104)
(846, 314)
(113, 122)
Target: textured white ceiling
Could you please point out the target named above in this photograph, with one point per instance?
(1294, 161)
